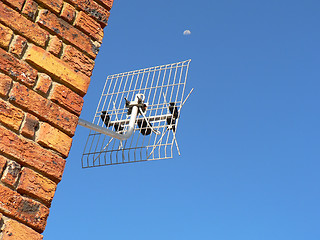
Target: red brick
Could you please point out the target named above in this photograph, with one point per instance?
(68, 12)
(67, 32)
(106, 3)
(17, 231)
(5, 36)
(27, 152)
(11, 173)
(43, 84)
(54, 5)
(30, 9)
(5, 85)
(53, 138)
(67, 98)
(3, 162)
(43, 108)
(18, 45)
(78, 60)
(24, 26)
(55, 45)
(58, 68)
(16, 4)
(10, 116)
(27, 211)
(37, 186)
(95, 10)
(30, 126)
(89, 26)
(17, 68)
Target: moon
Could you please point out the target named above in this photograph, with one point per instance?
(186, 32)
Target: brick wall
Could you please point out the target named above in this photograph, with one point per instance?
(47, 52)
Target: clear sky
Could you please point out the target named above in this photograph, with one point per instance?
(249, 134)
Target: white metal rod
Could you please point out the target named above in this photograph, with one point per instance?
(109, 132)
(150, 119)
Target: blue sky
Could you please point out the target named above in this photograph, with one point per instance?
(250, 168)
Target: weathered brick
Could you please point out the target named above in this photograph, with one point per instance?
(3, 162)
(37, 186)
(95, 10)
(5, 84)
(58, 68)
(17, 68)
(11, 173)
(27, 211)
(67, 32)
(53, 138)
(10, 116)
(30, 126)
(18, 45)
(16, 4)
(106, 3)
(27, 152)
(17, 231)
(89, 26)
(30, 9)
(43, 108)
(53, 5)
(55, 45)
(78, 60)
(24, 26)
(67, 98)
(43, 84)
(5, 36)
(68, 12)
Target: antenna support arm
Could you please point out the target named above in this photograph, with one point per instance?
(111, 133)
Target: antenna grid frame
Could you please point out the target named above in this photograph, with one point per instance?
(154, 135)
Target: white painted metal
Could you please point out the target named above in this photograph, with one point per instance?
(114, 134)
(156, 87)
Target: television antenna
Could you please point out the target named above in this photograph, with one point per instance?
(137, 116)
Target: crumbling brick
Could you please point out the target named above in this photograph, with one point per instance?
(78, 60)
(28, 211)
(53, 5)
(5, 36)
(10, 116)
(106, 3)
(55, 45)
(58, 68)
(24, 26)
(67, 32)
(16, 231)
(43, 108)
(5, 85)
(11, 173)
(17, 69)
(16, 4)
(43, 84)
(30, 9)
(67, 98)
(93, 9)
(53, 138)
(89, 26)
(27, 152)
(3, 162)
(18, 45)
(35, 185)
(30, 126)
(68, 12)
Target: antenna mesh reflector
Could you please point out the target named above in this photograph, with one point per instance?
(162, 86)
